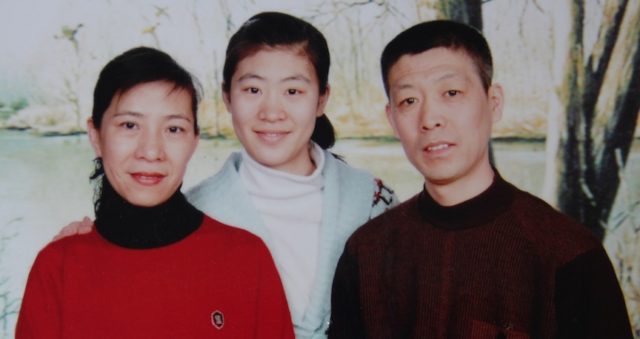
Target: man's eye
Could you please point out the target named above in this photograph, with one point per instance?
(176, 129)
(452, 92)
(408, 101)
(253, 90)
(292, 91)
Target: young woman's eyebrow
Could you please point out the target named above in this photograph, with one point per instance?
(297, 77)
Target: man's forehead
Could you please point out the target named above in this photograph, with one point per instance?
(436, 64)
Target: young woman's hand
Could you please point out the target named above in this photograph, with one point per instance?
(77, 227)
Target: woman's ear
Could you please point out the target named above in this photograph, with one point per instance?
(322, 101)
(226, 98)
(94, 137)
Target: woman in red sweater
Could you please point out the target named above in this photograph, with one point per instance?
(153, 266)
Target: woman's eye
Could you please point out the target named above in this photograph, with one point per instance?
(128, 125)
(176, 129)
(292, 91)
(253, 90)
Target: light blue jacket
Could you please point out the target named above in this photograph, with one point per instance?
(349, 201)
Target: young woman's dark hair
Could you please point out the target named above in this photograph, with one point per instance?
(134, 67)
(439, 33)
(273, 29)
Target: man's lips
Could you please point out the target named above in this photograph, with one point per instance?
(147, 178)
(438, 147)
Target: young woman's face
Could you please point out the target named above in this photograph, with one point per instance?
(145, 141)
(274, 101)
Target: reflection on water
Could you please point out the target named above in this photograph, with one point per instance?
(45, 184)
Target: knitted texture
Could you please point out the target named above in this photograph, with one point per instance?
(501, 265)
(219, 282)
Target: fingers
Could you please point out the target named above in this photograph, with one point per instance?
(66, 231)
(77, 227)
(85, 226)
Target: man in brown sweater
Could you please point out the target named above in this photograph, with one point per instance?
(471, 256)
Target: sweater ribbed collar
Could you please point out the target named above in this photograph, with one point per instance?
(474, 212)
(137, 227)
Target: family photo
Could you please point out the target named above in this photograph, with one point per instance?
(320, 168)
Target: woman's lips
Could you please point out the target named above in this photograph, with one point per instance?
(147, 179)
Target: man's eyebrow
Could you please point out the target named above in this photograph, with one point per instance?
(402, 86)
(450, 75)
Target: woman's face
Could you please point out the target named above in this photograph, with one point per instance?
(274, 101)
(145, 141)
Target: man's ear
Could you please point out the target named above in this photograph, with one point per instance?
(94, 137)
(389, 112)
(496, 102)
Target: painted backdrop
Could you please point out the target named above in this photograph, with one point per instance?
(571, 70)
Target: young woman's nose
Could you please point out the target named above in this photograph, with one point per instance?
(272, 108)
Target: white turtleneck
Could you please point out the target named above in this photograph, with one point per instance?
(291, 209)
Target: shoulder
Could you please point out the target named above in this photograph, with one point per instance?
(233, 238)
(552, 231)
(56, 253)
(204, 189)
(352, 179)
(381, 228)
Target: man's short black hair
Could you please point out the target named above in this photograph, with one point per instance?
(439, 33)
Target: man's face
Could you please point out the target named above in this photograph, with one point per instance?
(441, 113)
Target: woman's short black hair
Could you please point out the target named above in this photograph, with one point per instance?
(439, 33)
(274, 29)
(138, 66)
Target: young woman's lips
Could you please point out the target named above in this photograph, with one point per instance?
(271, 136)
(147, 179)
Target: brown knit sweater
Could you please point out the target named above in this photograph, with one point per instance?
(501, 265)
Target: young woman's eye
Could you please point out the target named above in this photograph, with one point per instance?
(253, 90)
(176, 129)
(292, 91)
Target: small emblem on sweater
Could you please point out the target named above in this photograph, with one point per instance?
(217, 319)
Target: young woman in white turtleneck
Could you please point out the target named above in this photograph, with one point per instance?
(285, 186)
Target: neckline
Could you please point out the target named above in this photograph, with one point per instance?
(136, 227)
(474, 212)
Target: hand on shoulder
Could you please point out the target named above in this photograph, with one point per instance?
(83, 226)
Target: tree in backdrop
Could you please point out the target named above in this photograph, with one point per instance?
(590, 161)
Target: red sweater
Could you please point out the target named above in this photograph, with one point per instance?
(86, 287)
(501, 265)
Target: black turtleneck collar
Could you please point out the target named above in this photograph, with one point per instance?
(476, 211)
(137, 227)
